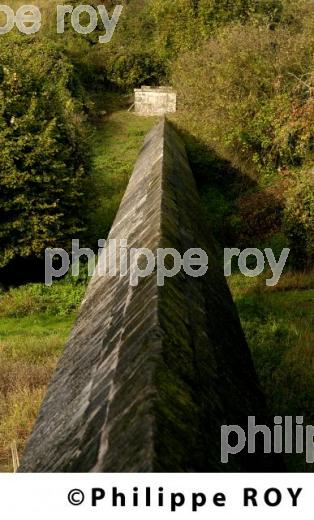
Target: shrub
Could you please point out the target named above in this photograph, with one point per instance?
(61, 299)
(299, 220)
(246, 95)
(151, 34)
(42, 161)
(130, 69)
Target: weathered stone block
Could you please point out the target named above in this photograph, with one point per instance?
(155, 101)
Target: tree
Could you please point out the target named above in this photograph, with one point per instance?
(42, 158)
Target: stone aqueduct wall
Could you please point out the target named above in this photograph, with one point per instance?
(150, 373)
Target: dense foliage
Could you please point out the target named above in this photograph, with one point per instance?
(152, 33)
(247, 94)
(42, 157)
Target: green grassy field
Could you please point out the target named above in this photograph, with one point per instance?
(116, 143)
(279, 325)
(29, 349)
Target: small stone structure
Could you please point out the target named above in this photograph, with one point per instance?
(150, 374)
(155, 101)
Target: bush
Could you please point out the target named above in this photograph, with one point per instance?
(151, 34)
(248, 94)
(42, 161)
(132, 69)
(214, 13)
(299, 220)
(61, 299)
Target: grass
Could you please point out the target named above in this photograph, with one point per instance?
(279, 326)
(35, 320)
(29, 349)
